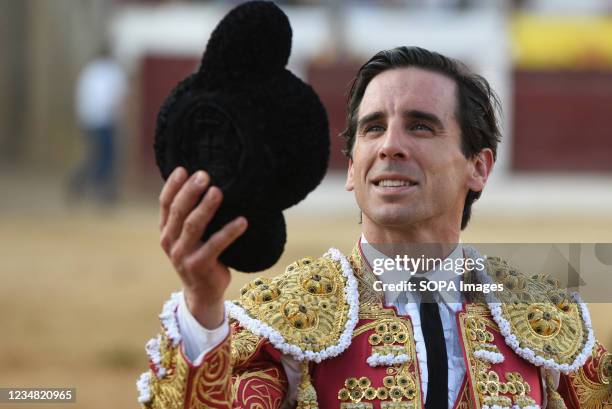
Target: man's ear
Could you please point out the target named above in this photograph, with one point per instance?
(480, 169)
(349, 185)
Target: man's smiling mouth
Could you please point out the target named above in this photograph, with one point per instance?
(394, 183)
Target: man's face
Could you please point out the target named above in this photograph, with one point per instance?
(407, 168)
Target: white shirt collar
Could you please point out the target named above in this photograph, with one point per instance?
(451, 299)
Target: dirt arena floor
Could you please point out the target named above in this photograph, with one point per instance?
(80, 290)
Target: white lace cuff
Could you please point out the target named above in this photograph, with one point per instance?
(197, 340)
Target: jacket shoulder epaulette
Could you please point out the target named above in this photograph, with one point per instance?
(308, 312)
(539, 321)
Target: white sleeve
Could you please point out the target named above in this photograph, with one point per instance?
(197, 340)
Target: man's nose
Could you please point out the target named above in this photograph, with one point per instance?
(393, 145)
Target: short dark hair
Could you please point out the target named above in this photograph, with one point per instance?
(478, 106)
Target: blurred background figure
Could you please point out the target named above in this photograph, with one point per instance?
(100, 92)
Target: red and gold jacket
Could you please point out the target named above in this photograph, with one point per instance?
(534, 349)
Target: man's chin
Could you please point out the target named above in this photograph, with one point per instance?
(394, 218)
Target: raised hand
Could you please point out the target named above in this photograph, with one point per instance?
(183, 221)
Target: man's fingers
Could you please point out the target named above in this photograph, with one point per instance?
(219, 241)
(171, 187)
(181, 206)
(196, 223)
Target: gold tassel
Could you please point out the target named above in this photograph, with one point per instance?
(306, 394)
(555, 401)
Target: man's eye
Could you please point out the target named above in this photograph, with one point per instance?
(421, 127)
(374, 128)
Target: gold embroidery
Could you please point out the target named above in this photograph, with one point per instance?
(464, 400)
(212, 386)
(169, 392)
(591, 395)
(322, 282)
(395, 405)
(540, 315)
(254, 389)
(554, 399)
(395, 388)
(594, 392)
(487, 387)
(544, 319)
(389, 350)
(391, 334)
(352, 405)
(478, 334)
(387, 332)
(244, 345)
(305, 304)
(523, 401)
(306, 394)
(478, 369)
(370, 301)
(605, 368)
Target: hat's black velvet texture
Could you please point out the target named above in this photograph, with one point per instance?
(258, 130)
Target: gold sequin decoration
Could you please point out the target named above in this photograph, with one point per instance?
(395, 388)
(390, 334)
(488, 386)
(390, 337)
(305, 304)
(540, 315)
(480, 337)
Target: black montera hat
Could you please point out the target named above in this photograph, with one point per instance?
(258, 130)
